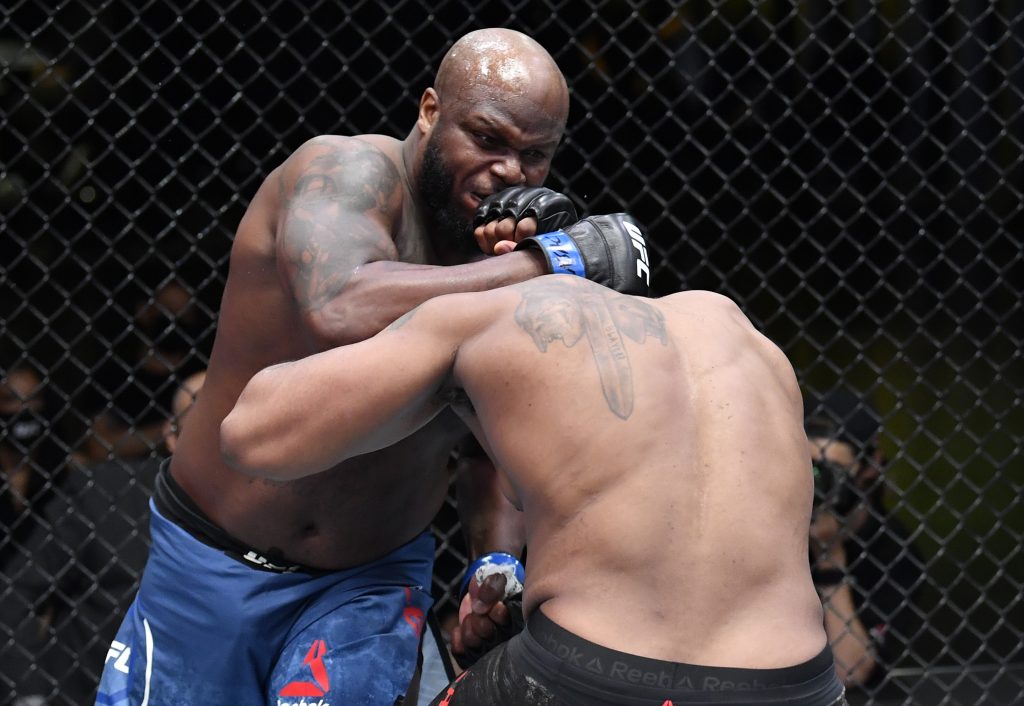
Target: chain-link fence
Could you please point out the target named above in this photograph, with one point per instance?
(849, 172)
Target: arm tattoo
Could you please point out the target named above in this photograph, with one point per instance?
(354, 174)
(330, 227)
(557, 311)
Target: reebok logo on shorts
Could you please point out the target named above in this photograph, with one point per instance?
(320, 684)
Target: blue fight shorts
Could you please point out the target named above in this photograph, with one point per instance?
(206, 628)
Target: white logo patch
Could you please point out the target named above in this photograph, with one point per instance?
(642, 263)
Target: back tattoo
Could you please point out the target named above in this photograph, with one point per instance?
(557, 310)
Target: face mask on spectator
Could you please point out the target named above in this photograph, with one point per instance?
(21, 428)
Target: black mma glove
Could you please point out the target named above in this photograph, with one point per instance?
(503, 633)
(551, 209)
(609, 250)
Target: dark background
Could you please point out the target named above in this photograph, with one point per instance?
(849, 172)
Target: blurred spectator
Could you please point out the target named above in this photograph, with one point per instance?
(86, 561)
(30, 458)
(863, 563)
(30, 463)
(22, 410)
(138, 384)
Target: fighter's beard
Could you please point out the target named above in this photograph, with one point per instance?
(447, 224)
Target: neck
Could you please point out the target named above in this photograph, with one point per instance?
(410, 146)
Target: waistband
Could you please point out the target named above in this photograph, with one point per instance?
(812, 682)
(173, 503)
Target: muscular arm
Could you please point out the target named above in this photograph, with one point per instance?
(299, 418)
(341, 207)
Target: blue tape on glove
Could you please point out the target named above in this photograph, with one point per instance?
(562, 253)
(496, 563)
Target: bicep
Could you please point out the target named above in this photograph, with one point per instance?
(338, 201)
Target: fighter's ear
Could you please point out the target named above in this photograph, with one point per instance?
(430, 111)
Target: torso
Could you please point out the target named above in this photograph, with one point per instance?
(681, 531)
(336, 519)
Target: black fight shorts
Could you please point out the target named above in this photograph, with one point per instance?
(546, 665)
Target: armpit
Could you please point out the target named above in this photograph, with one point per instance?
(459, 401)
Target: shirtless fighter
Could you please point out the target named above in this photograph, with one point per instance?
(642, 440)
(314, 591)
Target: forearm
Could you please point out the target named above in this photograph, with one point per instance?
(304, 416)
(380, 292)
(271, 433)
(851, 645)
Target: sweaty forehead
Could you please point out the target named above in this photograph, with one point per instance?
(530, 116)
(511, 76)
(495, 60)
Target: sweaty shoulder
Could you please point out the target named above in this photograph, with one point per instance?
(717, 310)
(704, 303)
(360, 174)
(763, 347)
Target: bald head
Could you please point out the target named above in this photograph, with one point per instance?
(493, 119)
(509, 65)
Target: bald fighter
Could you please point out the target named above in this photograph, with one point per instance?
(642, 440)
(314, 591)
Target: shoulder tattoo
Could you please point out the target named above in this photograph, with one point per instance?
(356, 175)
(332, 215)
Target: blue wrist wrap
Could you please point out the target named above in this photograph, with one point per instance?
(493, 559)
(562, 253)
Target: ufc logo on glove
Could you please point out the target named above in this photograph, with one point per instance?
(601, 249)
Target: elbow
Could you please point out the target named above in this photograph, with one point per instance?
(241, 449)
(249, 453)
(235, 447)
(243, 443)
(253, 442)
(347, 319)
(330, 327)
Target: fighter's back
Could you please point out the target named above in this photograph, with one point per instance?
(656, 448)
